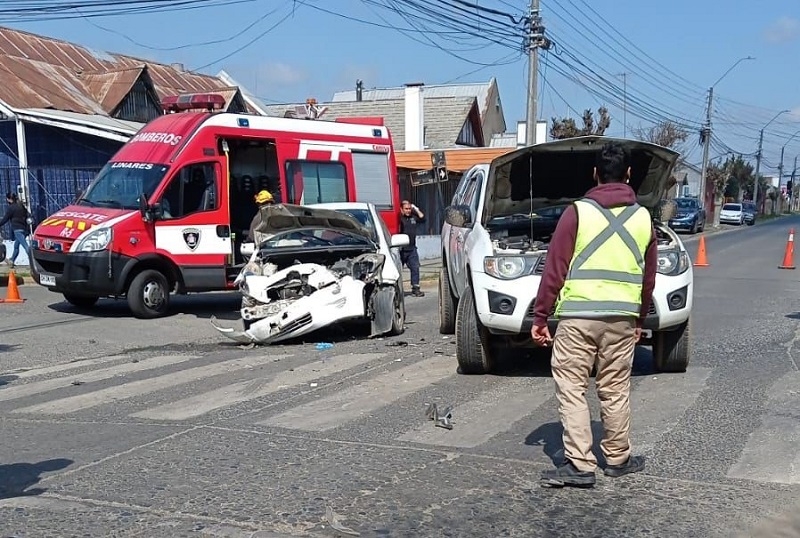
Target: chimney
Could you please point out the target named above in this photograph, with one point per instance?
(178, 67)
(414, 117)
(359, 90)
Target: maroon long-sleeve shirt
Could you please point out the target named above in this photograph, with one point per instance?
(562, 247)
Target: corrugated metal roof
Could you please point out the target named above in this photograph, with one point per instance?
(503, 140)
(42, 72)
(443, 116)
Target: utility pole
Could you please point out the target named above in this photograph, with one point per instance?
(791, 193)
(624, 104)
(758, 168)
(536, 41)
(705, 136)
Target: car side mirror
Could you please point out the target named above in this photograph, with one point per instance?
(247, 249)
(458, 215)
(400, 240)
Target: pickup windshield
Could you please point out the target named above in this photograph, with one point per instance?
(119, 185)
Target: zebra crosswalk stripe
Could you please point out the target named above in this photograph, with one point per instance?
(46, 385)
(131, 389)
(764, 457)
(58, 368)
(339, 408)
(229, 395)
(489, 414)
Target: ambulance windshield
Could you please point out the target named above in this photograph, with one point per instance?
(118, 185)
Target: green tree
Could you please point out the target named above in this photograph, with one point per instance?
(568, 128)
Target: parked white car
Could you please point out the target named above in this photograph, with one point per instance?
(494, 246)
(317, 265)
(732, 214)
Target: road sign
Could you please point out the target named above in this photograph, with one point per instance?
(422, 177)
(441, 174)
(438, 159)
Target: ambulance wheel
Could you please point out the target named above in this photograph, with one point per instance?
(81, 301)
(148, 294)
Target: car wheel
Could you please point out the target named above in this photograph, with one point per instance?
(81, 301)
(148, 294)
(671, 349)
(447, 306)
(399, 317)
(695, 227)
(473, 350)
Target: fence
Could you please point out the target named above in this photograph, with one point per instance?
(51, 188)
(427, 198)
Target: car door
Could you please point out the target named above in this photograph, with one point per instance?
(448, 232)
(460, 235)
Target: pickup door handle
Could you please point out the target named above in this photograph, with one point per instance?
(223, 230)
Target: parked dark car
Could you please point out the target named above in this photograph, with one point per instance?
(749, 210)
(688, 215)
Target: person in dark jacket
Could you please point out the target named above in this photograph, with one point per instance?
(17, 215)
(410, 216)
(600, 274)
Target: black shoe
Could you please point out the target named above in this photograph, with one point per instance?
(415, 291)
(569, 476)
(633, 465)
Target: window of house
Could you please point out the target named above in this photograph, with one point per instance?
(316, 182)
(191, 190)
(373, 179)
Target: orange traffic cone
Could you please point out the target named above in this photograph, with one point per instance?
(788, 256)
(701, 261)
(12, 295)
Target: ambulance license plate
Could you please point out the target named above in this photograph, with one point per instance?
(47, 280)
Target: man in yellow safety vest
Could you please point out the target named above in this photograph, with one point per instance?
(600, 274)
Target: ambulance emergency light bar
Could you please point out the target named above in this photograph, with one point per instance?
(190, 101)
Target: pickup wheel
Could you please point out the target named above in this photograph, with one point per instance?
(447, 304)
(671, 349)
(81, 301)
(473, 349)
(148, 294)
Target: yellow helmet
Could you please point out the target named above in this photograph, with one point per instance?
(264, 197)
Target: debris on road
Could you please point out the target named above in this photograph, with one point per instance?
(443, 420)
(336, 524)
(324, 345)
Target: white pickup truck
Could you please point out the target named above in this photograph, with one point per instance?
(494, 246)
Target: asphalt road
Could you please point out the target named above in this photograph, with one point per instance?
(111, 426)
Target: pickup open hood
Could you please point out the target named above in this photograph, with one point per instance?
(561, 171)
(285, 217)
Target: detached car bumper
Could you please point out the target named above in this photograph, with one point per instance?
(80, 273)
(505, 307)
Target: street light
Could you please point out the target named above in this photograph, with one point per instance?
(707, 129)
(758, 159)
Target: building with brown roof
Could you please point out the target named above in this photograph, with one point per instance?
(65, 109)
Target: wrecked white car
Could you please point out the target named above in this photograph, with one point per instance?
(316, 266)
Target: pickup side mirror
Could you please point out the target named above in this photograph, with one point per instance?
(459, 216)
(400, 240)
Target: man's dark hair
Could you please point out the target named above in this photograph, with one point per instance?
(11, 196)
(613, 160)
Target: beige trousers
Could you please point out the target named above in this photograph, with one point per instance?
(578, 345)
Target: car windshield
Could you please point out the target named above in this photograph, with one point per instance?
(686, 204)
(364, 217)
(732, 207)
(119, 185)
(315, 237)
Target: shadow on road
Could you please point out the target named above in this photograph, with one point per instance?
(6, 379)
(8, 347)
(548, 436)
(793, 315)
(203, 306)
(16, 478)
(536, 363)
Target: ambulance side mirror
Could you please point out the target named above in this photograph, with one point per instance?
(143, 208)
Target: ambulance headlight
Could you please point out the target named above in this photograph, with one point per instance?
(96, 240)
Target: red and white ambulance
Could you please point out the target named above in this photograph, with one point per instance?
(169, 211)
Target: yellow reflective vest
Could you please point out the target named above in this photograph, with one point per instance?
(606, 272)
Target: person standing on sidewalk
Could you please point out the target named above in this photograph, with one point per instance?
(17, 215)
(601, 268)
(410, 216)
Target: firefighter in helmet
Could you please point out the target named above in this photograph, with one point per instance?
(262, 199)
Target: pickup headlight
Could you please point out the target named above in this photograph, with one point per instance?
(95, 240)
(673, 262)
(509, 267)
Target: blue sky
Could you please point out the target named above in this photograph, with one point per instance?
(670, 56)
